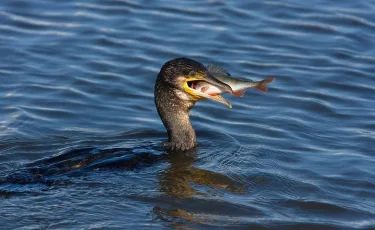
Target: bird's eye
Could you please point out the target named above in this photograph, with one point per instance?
(192, 73)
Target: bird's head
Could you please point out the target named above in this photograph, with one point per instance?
(182, 73)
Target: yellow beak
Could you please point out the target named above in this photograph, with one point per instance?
(198, 95)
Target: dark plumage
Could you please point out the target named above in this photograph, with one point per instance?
(173, 103)
(175, 95)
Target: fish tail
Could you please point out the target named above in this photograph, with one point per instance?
(262, 85)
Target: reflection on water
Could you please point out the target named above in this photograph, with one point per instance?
(181, 180)
(181, 176)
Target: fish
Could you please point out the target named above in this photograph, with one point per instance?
(239, 86)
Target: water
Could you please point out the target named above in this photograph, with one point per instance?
(81, 142)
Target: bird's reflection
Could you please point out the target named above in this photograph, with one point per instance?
(190, 185)
(182, 178)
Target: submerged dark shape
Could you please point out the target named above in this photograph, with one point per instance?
(62, 168)
(174, 97)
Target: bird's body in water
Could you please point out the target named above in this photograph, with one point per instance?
(177, 89)
(176, 93)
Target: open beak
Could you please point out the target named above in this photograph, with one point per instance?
(207, 78)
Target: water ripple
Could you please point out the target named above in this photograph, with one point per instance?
(79, 74)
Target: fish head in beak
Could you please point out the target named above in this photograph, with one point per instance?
(195, 78)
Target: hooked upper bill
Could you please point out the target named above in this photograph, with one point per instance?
(195, 77)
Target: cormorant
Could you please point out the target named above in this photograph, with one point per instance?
(175, 96)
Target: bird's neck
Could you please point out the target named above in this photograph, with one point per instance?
(180, 132)
(174, 113)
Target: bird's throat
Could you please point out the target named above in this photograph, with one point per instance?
(174, 114)
(181, 133)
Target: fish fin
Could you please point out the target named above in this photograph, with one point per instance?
(262, 85)
(217, 70)
(239, 93)
(204, 89)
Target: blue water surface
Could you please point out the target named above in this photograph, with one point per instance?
(81, 141)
